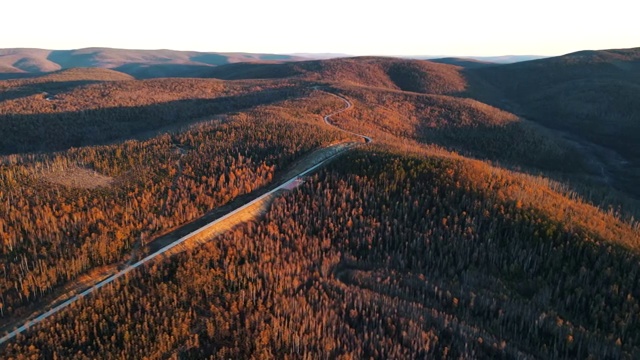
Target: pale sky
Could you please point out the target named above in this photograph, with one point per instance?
(396, 27)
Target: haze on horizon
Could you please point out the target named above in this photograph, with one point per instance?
(402, 27)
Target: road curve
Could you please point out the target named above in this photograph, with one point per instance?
(327, 118)
(123, 272)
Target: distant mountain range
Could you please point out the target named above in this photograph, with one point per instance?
(139, 63)
(23, 62)
(504, 59)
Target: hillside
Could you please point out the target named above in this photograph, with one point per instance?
(524, 79)
(87, 193)
(45, 87)
(69, 75)
(466, 63)
(431, 256)
(500, 59)
(138, 63)
(26, 61)
(45, 115)
(473, 225)
(589, 95)
(467, 126)
(408, 75)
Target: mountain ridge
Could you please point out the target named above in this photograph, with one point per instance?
(17, 62)
(36, 61)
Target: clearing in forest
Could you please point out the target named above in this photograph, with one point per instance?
(78, 177)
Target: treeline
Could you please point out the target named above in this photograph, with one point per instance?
(380, 256)
(51, 234)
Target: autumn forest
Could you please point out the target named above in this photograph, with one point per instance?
(493, 214)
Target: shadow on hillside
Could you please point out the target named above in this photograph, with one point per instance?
(67, 59)
(519, 147)
(60, 131)
(275, 57)
(591, 100)
(152, 71)
(483, 89)
(595, 104)
(48, 89)
(18, 76)
(245, 71)
(512, 143)
(211, 59)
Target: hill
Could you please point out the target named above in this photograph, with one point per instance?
(508, 59)
(502, 59)
(467, 63)
(464, 125)
(70, 75)
(472, 226)
(26, 61)
(46, 87)
(589, 95)
(398, 74)
(432, 256)
(51, 116)
(138, 63)
(523, 79)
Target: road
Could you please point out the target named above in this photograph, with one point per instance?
(286, 185)
(327, 118)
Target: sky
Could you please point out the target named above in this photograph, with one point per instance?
(355, 27)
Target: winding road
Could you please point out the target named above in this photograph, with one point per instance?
(131, 267)
(327, 118)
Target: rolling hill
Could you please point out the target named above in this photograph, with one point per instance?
(589, 96)
(69, 75)
(389, 89)
(503, 59)
(46, 87)
(462, 62)
(488, 218)
(138, 63)
(397, 74)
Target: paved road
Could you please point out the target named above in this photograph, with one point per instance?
(161, 251)
(327, 118)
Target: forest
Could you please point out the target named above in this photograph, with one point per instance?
(51, 233)
(464, 230)
(381, 255)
